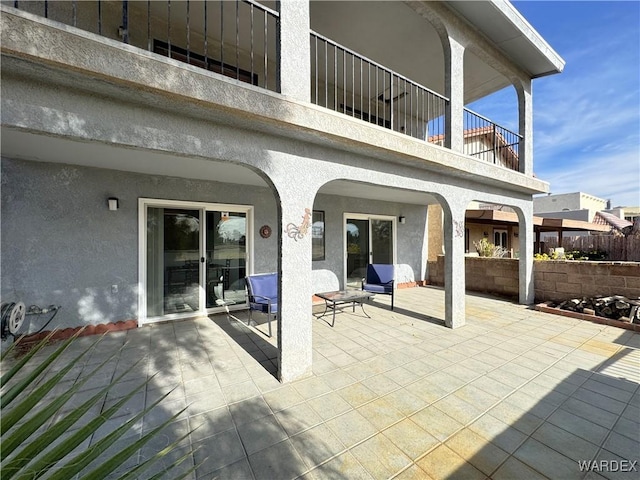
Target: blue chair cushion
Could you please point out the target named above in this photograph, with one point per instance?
(375, 288)
(263, 306)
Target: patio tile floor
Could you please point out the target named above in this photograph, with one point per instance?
(515, 393)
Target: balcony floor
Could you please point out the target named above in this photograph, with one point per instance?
(515, 393)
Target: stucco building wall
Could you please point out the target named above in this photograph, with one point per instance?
(62, 245)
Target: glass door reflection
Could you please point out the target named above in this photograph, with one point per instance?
(226, 254)
(173, 261)
(357, 250)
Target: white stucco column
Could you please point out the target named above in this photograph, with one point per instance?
(294, 46)
(294, 326)
(454, 89)
(527, 239)
(525, 118)
(454, 266)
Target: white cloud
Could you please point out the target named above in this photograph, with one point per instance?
(615, 177)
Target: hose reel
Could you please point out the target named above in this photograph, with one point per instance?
(13, 314)
(12, 318)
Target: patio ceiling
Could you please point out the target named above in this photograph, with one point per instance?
(41, 148)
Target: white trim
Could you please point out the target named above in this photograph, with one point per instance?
(202, 207)
(369, 217)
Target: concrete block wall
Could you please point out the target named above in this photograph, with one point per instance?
(498, 276)
(554, 279)
(560, 280)
(492, 275)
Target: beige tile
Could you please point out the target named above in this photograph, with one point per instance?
(515, 469)
(496, 431)
(381, 413)
(413, 472)
(406, 402)
(341, 467)
(479, 452)
(317, 445)
(436, 422)
(351, 428)
(329, 405)
(261, 434)
(212, 422)
(477, 397)
(443, 463)
(402, 376)
(284, 397)
(357, 394)
(579, 426)
(268, 464)
(240, 391)
(547, 461)
(298, 418)
(410, 438)
(311, 387)
(217, 451)
(564, 442)
(427, 389)
(459, 409)
(338, 379)
(380, 384)
(380, 457)
(516, 417)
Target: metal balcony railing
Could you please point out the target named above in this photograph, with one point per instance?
(488, 141)
(344, 81)
(237, 39)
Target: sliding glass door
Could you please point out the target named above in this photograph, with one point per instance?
(173, 261)
(226, 257)
(193, 258)
(369, 239)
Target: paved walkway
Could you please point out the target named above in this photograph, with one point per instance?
(514, 394)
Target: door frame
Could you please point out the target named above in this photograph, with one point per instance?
(202, 207)
(368, 217)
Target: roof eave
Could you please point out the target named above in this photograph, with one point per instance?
(536, 51)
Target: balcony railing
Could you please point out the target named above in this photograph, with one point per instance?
(490, 142)
(239, 39)
(234, 38)
(347, 82)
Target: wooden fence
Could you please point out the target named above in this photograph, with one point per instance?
(618, 249)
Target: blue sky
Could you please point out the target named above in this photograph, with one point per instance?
(586, 119)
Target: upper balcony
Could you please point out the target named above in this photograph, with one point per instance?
(380, 62)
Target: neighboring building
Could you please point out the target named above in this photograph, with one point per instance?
(582, 207)
(492, 143)
(631, 214)
(501, 228)
(576, 205)
(155, 153)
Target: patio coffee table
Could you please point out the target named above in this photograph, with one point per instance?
(343, 297)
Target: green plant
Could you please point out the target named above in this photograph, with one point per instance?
(33, 445)
(572, 255)
(488, 249)
(353, 248)
(589, 254)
